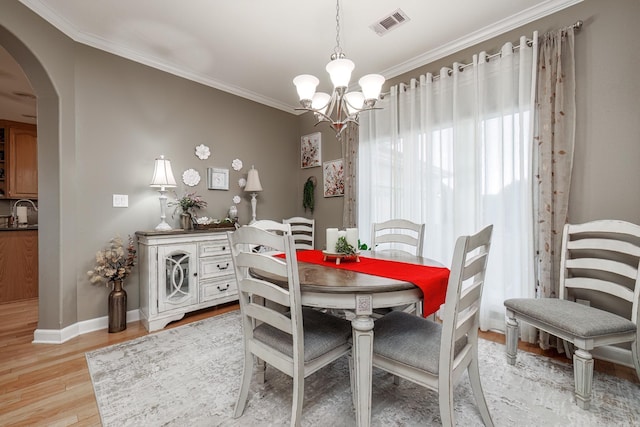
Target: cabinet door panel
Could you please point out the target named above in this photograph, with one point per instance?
(23, 163)
(178, 282)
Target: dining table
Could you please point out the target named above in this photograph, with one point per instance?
(325, 284)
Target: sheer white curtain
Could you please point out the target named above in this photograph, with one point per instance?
(454, 152)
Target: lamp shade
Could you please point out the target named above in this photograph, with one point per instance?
(162, 174)
(306, 86)
(371, 85)
(253, 181)
(340, 71)
(355, 101)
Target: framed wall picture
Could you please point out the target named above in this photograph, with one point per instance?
(333, 178)
(310, 150)
(217, 179)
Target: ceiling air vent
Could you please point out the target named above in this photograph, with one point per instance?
(390, 22)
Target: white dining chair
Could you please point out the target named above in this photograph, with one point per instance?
(298, 342)
(433, 354)
(273, 227)
(398, 235)
(303, 230)
(598, 265)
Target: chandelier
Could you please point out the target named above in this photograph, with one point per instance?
(341, 107)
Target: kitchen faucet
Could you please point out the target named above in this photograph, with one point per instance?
(14, 218)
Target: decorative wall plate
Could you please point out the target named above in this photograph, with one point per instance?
(191, 177)
(236, 164)
(203, 152)
(236, 199)
(242, 182)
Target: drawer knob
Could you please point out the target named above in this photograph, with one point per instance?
(224, 248)
(221, 289)
(223, 268)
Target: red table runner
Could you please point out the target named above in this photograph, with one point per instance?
(431, 280)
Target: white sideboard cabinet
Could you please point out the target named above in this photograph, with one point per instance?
(183, 271)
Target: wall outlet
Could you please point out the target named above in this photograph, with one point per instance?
(120, 201)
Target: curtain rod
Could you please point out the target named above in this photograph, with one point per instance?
(577, 26)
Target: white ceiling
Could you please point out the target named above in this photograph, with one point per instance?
(255, 48)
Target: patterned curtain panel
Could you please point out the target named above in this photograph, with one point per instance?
(555, 135)
(349, 140)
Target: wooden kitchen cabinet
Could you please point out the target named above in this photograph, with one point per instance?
(18, 265)
(19, 145)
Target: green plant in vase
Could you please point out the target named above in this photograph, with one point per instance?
(187, 205)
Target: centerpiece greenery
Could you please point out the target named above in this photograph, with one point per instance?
(343, 247)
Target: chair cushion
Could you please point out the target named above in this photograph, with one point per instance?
(577, 319)
(411, 340)
(322, 333)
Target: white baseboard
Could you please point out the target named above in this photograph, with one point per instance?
(58, 336)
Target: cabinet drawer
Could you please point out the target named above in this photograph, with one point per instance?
(214, 247)
(215, 266)
(218, 288)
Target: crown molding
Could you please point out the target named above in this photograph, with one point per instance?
(500, 27)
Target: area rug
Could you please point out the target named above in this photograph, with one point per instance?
(189, 376)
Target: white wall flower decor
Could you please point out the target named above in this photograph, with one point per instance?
(236, 199)
(236, 164)
(203, 152)
(242, 182)
(191, 177)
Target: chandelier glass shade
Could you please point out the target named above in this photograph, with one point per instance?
(340, 107)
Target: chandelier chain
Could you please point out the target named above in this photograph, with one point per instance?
(337, 50)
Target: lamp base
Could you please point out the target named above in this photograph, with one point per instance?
(163, 226)
(254, 202)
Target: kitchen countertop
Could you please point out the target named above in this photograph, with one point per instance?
(28, 227)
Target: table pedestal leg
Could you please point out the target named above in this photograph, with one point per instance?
(362, 359)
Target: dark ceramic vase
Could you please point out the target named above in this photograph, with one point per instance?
(117, 308)
(186, 223)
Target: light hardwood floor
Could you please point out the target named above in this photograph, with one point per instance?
(49, 384)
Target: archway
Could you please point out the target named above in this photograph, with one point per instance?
(49, 235)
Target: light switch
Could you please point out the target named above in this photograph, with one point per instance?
(120, 201)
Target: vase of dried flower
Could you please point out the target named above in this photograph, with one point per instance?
(185, 221)
(117, 308)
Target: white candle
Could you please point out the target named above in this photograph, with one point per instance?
(352, 237)
(22, 214)
(332, 239)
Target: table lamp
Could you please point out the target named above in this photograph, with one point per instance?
(163, 179)
(253, 186)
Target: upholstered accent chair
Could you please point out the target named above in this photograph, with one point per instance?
(298, 342)
(598, 302)
(433, 354)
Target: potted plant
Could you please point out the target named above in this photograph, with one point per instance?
(187, 205)
(113, 265)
